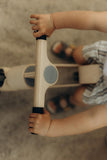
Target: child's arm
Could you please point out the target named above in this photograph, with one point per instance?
(87, 20)
(74, 19)
(101, 21)
(80, 123)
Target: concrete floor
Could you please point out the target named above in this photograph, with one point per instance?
(17, 46)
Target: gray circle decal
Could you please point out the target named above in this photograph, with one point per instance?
(50, 74)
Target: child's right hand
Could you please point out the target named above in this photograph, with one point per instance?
(43, 23)
(40, 123)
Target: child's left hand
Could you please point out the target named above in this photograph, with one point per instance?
(40, 123)
(43, 23)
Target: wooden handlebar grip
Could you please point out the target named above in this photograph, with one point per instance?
(39, 93)
(46, 74)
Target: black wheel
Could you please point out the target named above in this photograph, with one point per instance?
(2, 77)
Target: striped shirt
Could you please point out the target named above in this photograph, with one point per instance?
(105, 71)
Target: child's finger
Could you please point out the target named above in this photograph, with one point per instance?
(34, 16)
(33, 22)
(37, 34)
(31, 120)
(35, 27)
(33, 115)
(31, 124)
(31, 130)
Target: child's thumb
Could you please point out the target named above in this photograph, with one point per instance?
(45, 111)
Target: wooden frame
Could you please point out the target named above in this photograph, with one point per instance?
(46, 75)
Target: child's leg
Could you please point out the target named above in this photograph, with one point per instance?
(79, 59)
(76, 53)
(78, 56)
(77, 97)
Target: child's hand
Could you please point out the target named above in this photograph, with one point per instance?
(40, 123)
(43, 23)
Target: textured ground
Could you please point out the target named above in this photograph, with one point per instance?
(17, 46)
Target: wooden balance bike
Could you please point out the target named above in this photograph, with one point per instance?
(43, 74)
